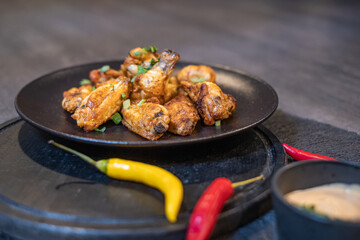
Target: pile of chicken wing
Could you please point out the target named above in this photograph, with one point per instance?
(150, 100)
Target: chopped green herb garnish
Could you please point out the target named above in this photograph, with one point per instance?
(141, 70)
(113, 87)
(151, 49)
(197, 79)
(129, 54)
(126, 104)
(311, 209)
(152, 63)
(138, 53)
(145, 51)
(104, 68)
(116, 118)
(85, 81)
(123, 96)
(100, 130)
(141, 102)
(218, 123)
(133, 79)
(93, 88)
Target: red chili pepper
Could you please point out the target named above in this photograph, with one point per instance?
(301, 155)
(206, 211)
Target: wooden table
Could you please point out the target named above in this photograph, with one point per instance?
(308, 51)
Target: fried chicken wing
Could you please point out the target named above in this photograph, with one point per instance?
(74, 96)
(153, 82)
(183, 115)
(149, 120)
(171, 88)
(97, 76)
(102, 103)
(211, 103)
(195, 73)
(138, 57)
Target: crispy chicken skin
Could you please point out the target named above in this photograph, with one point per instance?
(196, 72)
(133, 60)
(211, 103)
(97, 77)
(102, 103)
(74, 96)
(171, 88)
(153, 82)
(183, 115)
(149, 120)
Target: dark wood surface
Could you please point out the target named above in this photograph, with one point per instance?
(308, 51)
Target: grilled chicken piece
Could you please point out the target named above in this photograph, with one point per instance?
(102, 103)
(183, 115)
(138, 57)
(97, 76)
(211, 103)
(153, 82)
(171, 88)
(74, 96)
(149, 120)
(196, 73)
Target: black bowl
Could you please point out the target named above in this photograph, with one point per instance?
(294, 223)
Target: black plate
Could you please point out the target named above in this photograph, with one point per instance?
(55, 195)
(39, 103)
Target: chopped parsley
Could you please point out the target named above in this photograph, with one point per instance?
(100, 130)
(152, 49)
(152, 63)
(93, 88)
(197, 79)
(85, 81)
(113, 87)
(123, 96)
(141, 70)
(116, 118)
(104, 68)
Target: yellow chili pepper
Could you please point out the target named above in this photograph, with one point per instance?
(150, 175)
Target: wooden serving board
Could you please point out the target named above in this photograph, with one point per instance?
(46, 193)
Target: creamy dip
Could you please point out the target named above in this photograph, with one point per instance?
(336, 201)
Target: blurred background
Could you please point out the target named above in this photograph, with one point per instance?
(307, 50)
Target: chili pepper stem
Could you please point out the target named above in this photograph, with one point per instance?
(238, 184)
(80, 155)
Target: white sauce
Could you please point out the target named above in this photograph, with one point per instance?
(337, 200)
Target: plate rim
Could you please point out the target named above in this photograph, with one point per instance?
(146, 143)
